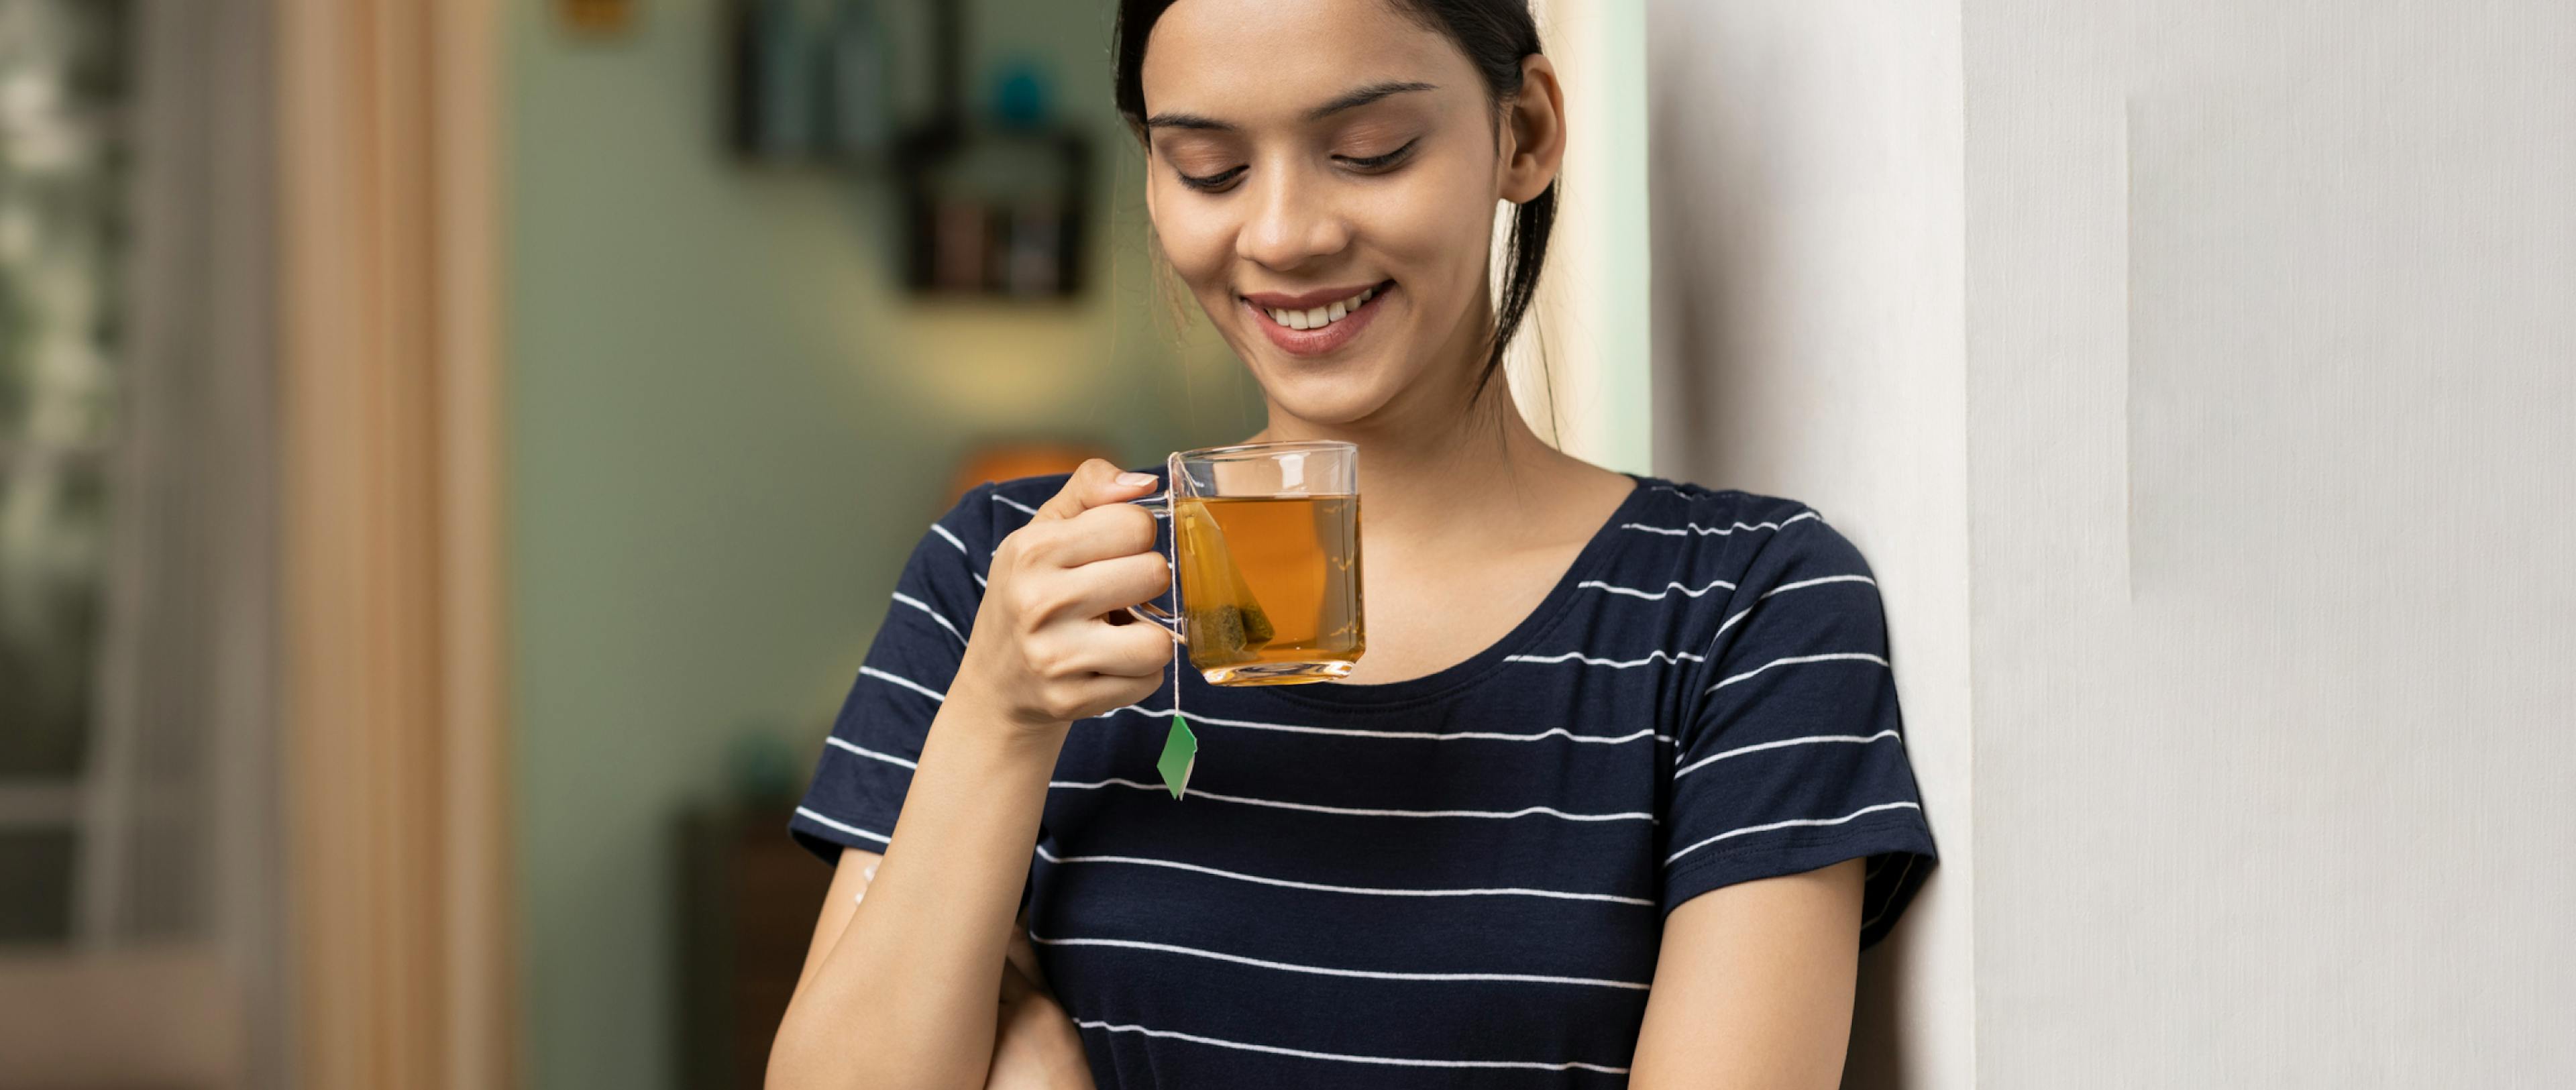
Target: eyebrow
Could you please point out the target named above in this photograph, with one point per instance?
(1350, 100)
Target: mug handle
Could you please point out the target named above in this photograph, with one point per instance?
(1148, 612)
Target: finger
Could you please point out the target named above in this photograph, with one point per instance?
(1106, 586)
(1102, 533)
(1094, 483)
(1122, 652)
(1104, 694)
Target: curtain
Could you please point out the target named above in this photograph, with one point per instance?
(394, 745)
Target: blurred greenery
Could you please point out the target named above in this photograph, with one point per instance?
(62, 178)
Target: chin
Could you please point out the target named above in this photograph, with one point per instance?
(1343, 394)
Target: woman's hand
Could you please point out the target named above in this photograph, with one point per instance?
(1036, 1046)
(1044, 651)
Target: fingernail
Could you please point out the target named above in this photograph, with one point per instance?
(1133, 480)
(870, 874)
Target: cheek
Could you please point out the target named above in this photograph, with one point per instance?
(1433, 229)
(1194, 235)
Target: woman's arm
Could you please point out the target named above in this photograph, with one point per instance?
(1036, 1046)
(1753, 986)
(905, 996)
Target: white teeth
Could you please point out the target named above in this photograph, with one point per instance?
(1319, 317)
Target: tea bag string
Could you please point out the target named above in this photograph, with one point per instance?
(1180, 747)
(1173, 555)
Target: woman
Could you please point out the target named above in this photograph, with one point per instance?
(1616, 793)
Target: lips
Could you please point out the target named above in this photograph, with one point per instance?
(1316, 322)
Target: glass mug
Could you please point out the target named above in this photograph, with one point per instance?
(1266, 561)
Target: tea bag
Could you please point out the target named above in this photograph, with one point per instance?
(1180, 751)
(1226, 622)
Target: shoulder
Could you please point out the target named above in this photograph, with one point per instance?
(1745, 527)
(1797, 582)
(1757, 544)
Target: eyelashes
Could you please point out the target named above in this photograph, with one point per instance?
(1212, 183)
(1371, 164)
(1382, 162)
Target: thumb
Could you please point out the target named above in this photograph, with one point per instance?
(1097, 483)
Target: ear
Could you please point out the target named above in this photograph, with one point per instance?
(1533, 132)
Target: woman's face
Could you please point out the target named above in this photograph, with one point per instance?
(1322, 174)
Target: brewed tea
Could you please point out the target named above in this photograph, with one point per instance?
(1270, 586)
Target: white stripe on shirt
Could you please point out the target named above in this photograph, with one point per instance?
(1836, 656)
(1817, 581)
(934, 694)
(1322, 970)
(853, 830)
(1759, 746)
(1792, 822)
(923, 606)
(1658, 595)
(1549, 811)
(1695, 528)
(1389, 1061)
(1354, 732)
(1016, 505)
(1507, 891)
(1740, 614)
(1616, 664)
(840, 743)
(952, 538)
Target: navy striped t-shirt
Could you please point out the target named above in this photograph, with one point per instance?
(1458, 878)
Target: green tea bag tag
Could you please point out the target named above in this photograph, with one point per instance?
(1180, 755)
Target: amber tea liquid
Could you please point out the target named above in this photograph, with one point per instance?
(1270, 587)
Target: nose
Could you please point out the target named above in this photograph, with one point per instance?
(1292, 223)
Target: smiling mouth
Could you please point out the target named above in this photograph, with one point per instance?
(1320, 317)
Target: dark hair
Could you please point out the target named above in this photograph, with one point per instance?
(1495, 35)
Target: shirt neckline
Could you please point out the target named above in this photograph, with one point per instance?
(1440, 683)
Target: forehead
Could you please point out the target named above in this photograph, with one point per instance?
(1249, 61)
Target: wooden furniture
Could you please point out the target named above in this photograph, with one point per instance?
(749, 896)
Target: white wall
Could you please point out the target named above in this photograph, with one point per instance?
(2254, 325)
(2272, 372)
(1807, 330)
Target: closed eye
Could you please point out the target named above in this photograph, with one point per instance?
(1210, 183)
(1381, 162)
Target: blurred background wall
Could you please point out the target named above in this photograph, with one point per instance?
(729, 423)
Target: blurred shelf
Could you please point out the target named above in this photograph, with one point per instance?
(992, 209)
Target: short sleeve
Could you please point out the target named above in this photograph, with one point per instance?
(1795, 758)
(867, 762)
